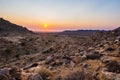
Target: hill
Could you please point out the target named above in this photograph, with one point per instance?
(9, 29)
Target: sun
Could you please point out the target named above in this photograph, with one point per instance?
(45, 25)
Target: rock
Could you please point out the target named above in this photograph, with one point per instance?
(84, 65)
(52, 63)
(4, 74)
(117, 77)
(105, 53)
(48, 59)
(84, 57)
(78, 59)
(111, 76)
(58, 78)
(93, 55)
(15, 73)
(3, 71)
(110, 49)
(65, 61)
(30, 66)
(95, 75)
(72, 64)
(105, 59)
(35, 77)
(108, 75)
(50, 67)
(77, 54)
(91, 48)
(10, 74)
(48, 50)
(58, 62)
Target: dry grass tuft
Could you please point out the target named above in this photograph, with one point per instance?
(78, 74)
(45, 73)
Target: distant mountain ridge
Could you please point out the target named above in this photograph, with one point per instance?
(80, 32)
(8, 28)
(89, 32)
(117, 31)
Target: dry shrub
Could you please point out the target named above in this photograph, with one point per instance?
(113, 66)
(45, 73)
(78, 75)
(4, 77)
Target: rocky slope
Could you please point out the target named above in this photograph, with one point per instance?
(8, 28)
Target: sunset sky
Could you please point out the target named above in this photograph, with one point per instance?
(59, 15)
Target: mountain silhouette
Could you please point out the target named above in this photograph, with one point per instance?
(8, 28)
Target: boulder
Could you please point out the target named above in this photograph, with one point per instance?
(93, 55)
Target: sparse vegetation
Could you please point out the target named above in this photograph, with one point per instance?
(8, 50)
(113, 66)
(78, 75)
(45, 73)
(22, 43)
(17, 56)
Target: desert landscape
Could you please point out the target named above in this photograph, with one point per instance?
(26, 55)
(59, 40)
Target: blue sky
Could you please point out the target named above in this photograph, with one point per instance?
(62, 14)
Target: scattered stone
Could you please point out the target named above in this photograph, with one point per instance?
(84, 65)
(72, 64)
(4, 74)
(15, 73)
(35, 77)
(118, 77)
(48, 59)
(105, 59)
(30, 66)
(58, 78)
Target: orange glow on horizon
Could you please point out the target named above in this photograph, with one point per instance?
(55, 26)
(45, 26)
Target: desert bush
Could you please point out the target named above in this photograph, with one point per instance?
(45, 73)
(110, 49)
(113, 66)
(8, 50)
(78, 75)
(17, 56)
(4, 77)
(22, 43)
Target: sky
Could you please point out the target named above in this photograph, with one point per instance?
(59, 15)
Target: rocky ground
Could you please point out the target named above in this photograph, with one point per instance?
(60, 57)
